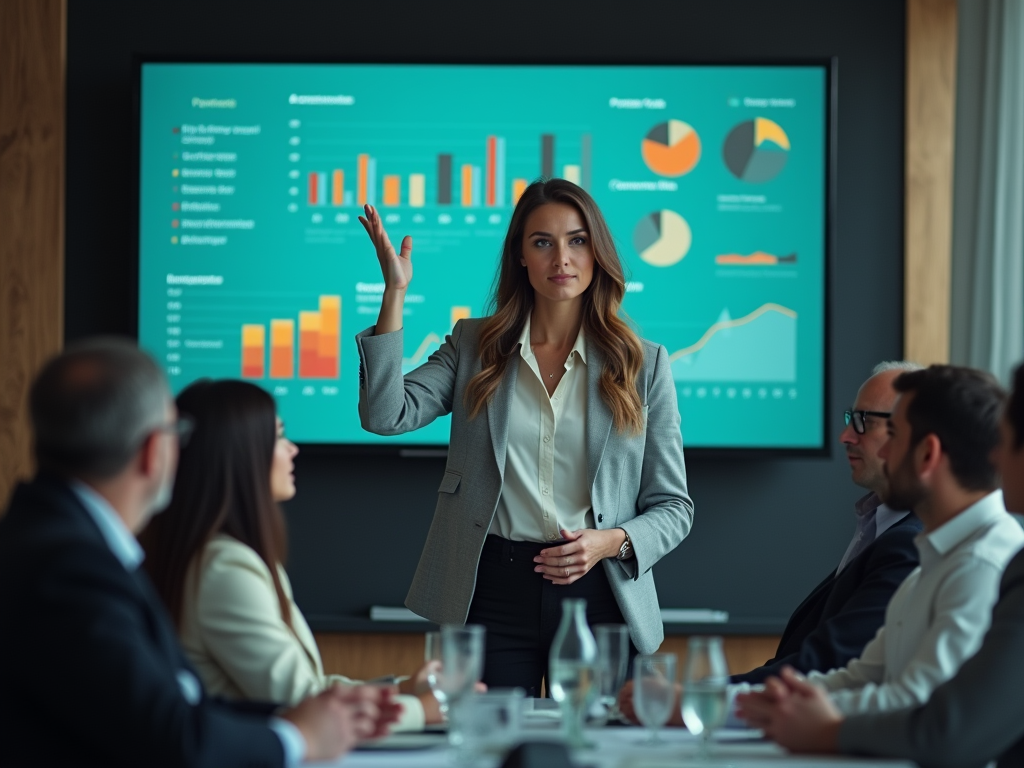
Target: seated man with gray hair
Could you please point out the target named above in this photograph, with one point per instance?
(92, 672)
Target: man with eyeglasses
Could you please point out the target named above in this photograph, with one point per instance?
(92, 672)
(844, 611)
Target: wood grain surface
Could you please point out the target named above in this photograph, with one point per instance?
(32, 46)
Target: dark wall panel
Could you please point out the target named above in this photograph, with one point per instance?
(765, 531)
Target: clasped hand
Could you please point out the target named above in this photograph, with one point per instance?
(583, 550)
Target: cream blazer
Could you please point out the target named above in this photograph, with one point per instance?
(234, 635)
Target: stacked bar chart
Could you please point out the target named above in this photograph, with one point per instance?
(480, 181)
(319, 353)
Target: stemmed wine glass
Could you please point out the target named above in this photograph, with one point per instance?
(654, 680)
(612, 661)
(705, 690)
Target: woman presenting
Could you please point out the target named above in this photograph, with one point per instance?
(565, 473)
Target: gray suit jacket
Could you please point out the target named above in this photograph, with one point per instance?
(637, 482)
(971, 719)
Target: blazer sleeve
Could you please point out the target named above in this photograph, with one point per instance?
(239, 620)
(970, 719)
(114, 690)
(392, 404)
(837, 640)
(665, 510)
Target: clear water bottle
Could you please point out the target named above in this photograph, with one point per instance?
(571, 671)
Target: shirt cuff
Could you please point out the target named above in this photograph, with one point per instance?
(413, 718)
(292, 741)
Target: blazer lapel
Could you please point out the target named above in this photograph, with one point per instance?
(499, 407)
(599, 416)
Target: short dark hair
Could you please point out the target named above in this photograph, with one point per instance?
(92, 405)
(1015, 407)
(962, 407)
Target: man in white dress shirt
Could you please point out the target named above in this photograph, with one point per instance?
(941, 435)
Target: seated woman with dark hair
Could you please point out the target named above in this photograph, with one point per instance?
(216, 555)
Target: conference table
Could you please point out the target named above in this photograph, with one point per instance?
(613, 747)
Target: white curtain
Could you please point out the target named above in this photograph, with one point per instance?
(988, 193)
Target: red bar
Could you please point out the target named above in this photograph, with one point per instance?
(492, 167)
(312, 189)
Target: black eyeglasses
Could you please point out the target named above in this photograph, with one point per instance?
(859, 418)
(182, 429)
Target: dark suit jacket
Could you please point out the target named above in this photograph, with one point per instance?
(973, 718)
(835, 622)
(89, 661)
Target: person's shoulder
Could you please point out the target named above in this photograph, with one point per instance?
(997, 543)
(226, 554)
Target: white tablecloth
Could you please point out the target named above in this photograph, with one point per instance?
(623, 748)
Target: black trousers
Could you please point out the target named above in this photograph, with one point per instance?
(522, 610)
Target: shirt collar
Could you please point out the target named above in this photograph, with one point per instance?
(526, 351)
(120, 540)
(981, 514)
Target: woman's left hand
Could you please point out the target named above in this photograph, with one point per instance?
(583, 550)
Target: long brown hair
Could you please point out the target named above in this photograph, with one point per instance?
(512, 301)
(222, 486)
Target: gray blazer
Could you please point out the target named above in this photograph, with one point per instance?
(637, 482)
(973, 718)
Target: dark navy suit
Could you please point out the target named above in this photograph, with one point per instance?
(834, 623)
(89, 661)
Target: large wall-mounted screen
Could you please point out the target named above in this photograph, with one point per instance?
(713, 179)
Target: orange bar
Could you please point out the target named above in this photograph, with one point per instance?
(328, 347)
(467, 186)
(253, 351)
(518, 187)
(392, 190)
(309, 345)
(282, 349)
(338, 188)
(460, 313)
(492, 167)
(363, 164)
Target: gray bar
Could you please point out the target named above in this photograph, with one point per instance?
(547, 155)
(585, 161)
(444, 179)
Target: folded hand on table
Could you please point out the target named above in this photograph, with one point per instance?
(797, 714)
(337, 719)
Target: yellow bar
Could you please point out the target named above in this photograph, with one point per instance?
(309, 321)
(338, 189)
(282, 333)
(571, 173)
(467, 186)
(460, 313)
(392, 190)
(253, 335)
(417, 190)
(518, 187)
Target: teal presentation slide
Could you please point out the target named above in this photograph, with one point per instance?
(253, 265)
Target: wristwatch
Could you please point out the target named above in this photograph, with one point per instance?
(626, 550)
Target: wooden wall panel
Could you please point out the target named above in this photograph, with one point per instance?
(32, 54)
(928, 206)
(365, 656)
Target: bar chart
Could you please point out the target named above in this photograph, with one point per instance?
(473, 179)
(319, 352)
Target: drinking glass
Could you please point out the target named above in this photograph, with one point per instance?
(462, 662)
(612, 661)
(432, 652)
(654, 683)
(704, 689)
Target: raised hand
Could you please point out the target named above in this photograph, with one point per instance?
(396, 267)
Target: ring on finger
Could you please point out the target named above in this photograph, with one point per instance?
(566, 572)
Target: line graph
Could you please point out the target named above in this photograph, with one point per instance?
(759, 346)
(430, 340)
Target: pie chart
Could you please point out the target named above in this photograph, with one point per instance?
(756, 150)
(671, 148)
(662, 238)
